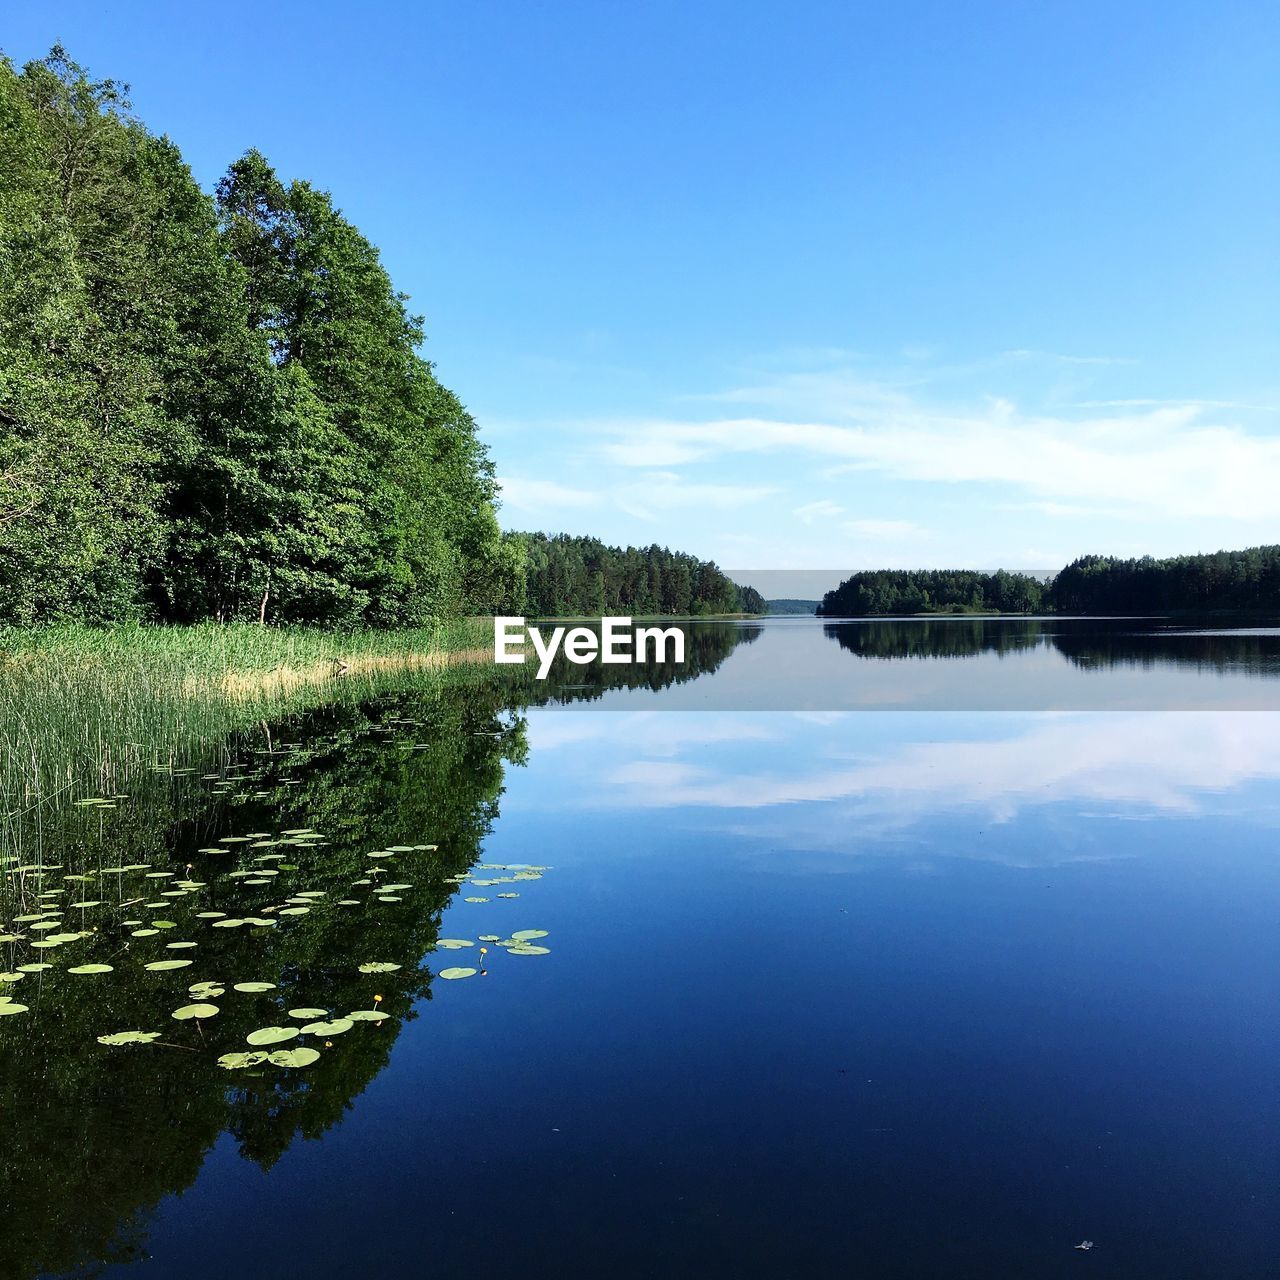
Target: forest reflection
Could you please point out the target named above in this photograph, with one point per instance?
(1091, 644)
(94, 1137)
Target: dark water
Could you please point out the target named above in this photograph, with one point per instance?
(826, 992)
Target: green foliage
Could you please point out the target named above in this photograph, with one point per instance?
(792, 607)
(572, 576)
(908, 591)
(1225, 580)
(213, 407)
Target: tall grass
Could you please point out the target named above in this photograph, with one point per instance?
(81, 708)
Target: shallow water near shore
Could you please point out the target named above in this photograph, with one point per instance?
(774, 989)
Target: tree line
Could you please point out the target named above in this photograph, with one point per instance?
(567, 575)
(1221, 580)
(1247, 580)
(907, 591)
(212, 406)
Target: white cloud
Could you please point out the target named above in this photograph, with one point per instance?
(821, 510)
(1161, 461)
(644, 498)
(884, 530)
(1055, 357)
(526, 494)
(664, 490)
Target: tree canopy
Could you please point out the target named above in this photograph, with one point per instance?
(568, 576)
(907, 591)
(1222, 580)
(213, 405)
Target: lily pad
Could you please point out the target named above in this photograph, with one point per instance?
(525, 935)
(334, 1027)
(158, 965)
(300, 1057)
(90, 968)
(367, 1015)
(11, 1006)
(129, 1037)
(524, 949)
(454, 944)
(379, 966)
(235, 1061)
(307, 1014)
(457, 973)
(189, 1011)
(271, 1035)
(255, 988)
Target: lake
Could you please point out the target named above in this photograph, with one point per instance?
(929, 947)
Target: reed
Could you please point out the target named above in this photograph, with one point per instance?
(82, 708)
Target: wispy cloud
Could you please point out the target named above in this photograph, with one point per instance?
(1198, 404)
(663, 490)
(645, 498)
(1056, 357)
(1165, 460)
(523, 493)
(884, 530)
(820, 511)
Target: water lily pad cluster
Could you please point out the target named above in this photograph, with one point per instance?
(140, 917)
(168, 925)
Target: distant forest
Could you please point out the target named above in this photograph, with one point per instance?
(212, 406)
(907, 591)
(792, 607)
(581, 576)
(1224, 581)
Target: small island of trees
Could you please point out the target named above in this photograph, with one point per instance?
(1221, 582)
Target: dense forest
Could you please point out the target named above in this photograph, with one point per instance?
(572, 576)
(907, 591)
(1223, 580)
(1246, 580)
(212, 406)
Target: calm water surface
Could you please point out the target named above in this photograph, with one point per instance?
(827, 992)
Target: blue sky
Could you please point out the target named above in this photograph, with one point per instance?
(794, 285)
